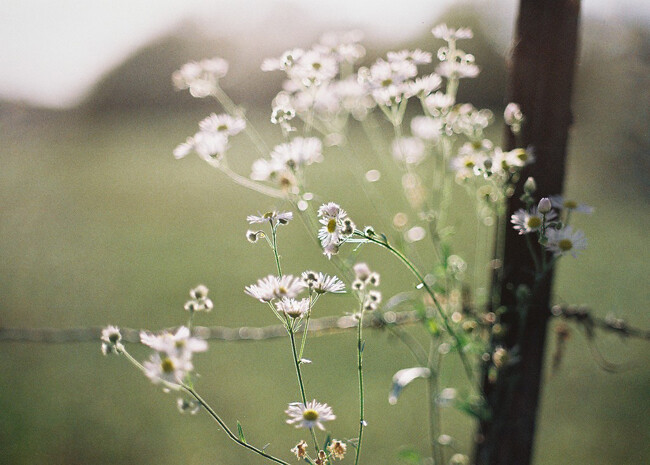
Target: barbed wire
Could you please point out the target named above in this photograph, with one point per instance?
(317, 327)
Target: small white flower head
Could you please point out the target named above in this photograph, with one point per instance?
(426, 128)
(179, 344)
(272, 287)
(300, 450)
(336, 227)
(459, 459)
(439, 103)
(337, 449)
(565, 241)
(111, 338)
(372, 300)
(373, 279)
(167, 368)
(285, 62)
(293, 308)
(362, 271)
(423, 86)
(202, 77)
(253, 236)
(563, 203)
(458, 67)
(271, 217)
(441, 31)
(223, 123)
(513, 117)
(344, 46)
(409, 150)
(188, 406)
(527, 222)
(417, 57)
(310, 415)
(544, 205)
(200, 301)
(321, 283)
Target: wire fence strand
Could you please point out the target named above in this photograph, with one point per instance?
(317, 327)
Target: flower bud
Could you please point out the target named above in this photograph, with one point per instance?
(544, 205)
(530, 186)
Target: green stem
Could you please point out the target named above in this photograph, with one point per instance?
(275, 248)
(360, 370)
(468, 368)
(230, 434)
(190, 390)
(247, 183)
(233, 110)
(296, 362)
(434, 412)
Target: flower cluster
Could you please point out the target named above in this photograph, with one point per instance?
(552, 229)
(211, 141)
(172, 360)
(201, 78)
(199, 301)
(364, 279)
(287, 161)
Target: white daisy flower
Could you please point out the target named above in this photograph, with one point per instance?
(464, 68)
(271, 217)
(424, 85)
(223, 123)
(439, 103)
(310, 415)
(272, 287)
(441, 31)
(566, 241)
(322, 283)
(527, 222)
(168, 368)
(336, 227)
(417, 56)
(180, 344)
(292, 307)
(563, 203)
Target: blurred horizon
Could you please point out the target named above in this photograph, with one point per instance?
(54, 57)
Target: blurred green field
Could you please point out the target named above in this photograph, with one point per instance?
(100, 225)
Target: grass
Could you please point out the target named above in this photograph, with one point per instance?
(101, 225)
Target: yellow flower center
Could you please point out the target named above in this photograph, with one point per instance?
(386, 82)
(570, 204)
(331, 226)
(310, 415)
(167, 365)
(565, 245)
(534, 222)
(222, 127)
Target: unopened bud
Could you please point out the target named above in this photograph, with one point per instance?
(530, 186)
(544, 205)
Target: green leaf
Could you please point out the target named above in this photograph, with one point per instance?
(240, 432)
(410, 456)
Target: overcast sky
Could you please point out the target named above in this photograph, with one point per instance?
(52, 51)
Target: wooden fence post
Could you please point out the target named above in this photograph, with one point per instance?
(540, 81)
